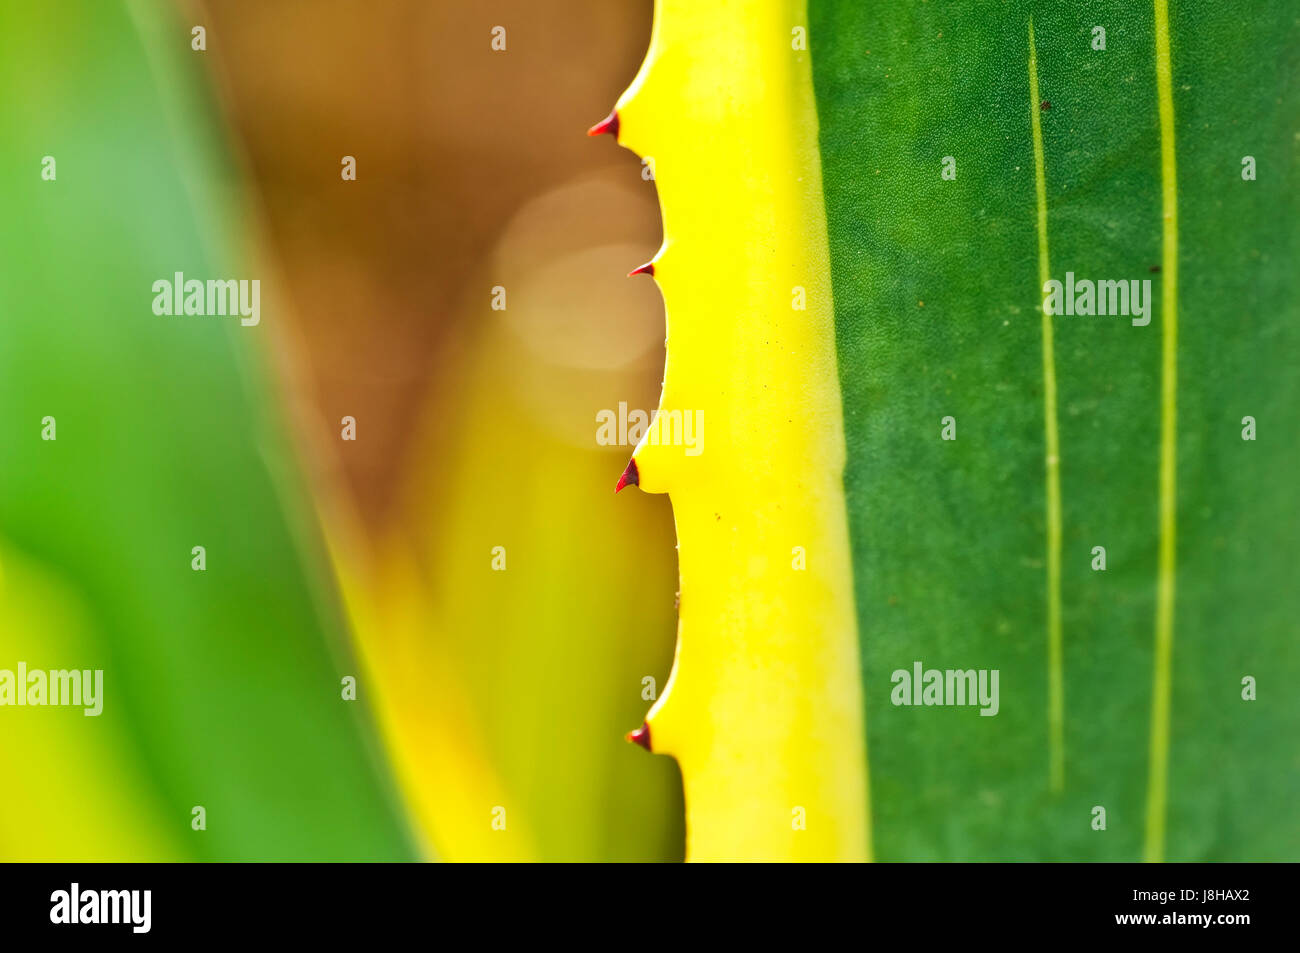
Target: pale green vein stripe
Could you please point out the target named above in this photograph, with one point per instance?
(1158, 778)
(1052, 462)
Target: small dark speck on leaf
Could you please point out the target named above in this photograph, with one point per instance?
(1044, 105)
(1155, 269)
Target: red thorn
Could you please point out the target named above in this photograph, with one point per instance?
(608, 124)
(647, 269)
(630, 477)
(641, 736)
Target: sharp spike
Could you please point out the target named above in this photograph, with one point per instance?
(647, 269)
(640, 737)
(630, 477)
(607, 125)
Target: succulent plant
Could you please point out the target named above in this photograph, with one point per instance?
(990, 309)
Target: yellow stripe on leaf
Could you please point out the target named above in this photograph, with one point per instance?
(764, 709)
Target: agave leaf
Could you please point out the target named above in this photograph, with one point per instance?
(964, 155)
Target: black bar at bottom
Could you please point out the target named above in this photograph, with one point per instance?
(1222, 903)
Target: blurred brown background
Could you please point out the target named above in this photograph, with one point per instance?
(475, 427)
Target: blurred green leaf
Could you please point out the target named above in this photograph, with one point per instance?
(226, 682)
